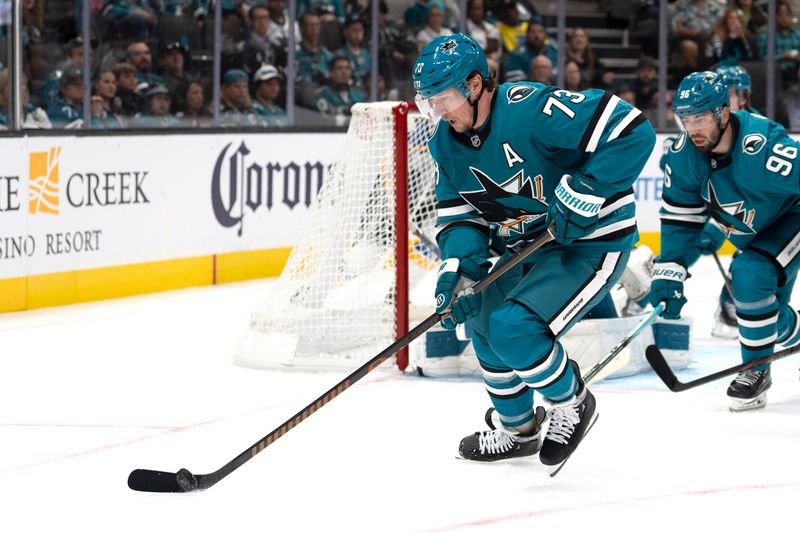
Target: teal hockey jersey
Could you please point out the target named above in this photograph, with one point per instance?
(743, 192)
(499, 182)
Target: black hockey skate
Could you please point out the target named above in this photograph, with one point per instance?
(570, 421)
(502, 443)
(749, 390)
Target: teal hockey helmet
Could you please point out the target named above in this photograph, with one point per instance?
(700, 92)
(447, 62)
(736, 77)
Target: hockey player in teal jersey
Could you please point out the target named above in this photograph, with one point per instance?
(512, 161)
(741, 170)
(739, 85)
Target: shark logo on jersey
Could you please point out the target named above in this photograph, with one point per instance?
(518, 93)
(733, 218)
(753, 143)
(512, 204)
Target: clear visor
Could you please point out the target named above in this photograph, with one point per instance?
(701, 120)
(438, 105)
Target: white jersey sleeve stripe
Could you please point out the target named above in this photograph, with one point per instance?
(444, 212)
(600, 127)
(624, 124)
(625, 200)
(701, 219)
(678, 210)
(611, 228)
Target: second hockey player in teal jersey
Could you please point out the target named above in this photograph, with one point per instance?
(513, 160)
(739, 85)
(741, 170)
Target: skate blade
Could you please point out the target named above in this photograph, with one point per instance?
(508, 460)
(738, 405)
(558, 467)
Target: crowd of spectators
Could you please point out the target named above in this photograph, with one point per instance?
(150, 63)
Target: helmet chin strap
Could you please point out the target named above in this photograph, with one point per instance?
(721, 133)
(474, 105)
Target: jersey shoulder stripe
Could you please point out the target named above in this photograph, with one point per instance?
(597, 123)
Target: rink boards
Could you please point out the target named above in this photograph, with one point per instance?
(85, 218)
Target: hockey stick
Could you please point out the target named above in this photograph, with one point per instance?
(424, 239)
(652, 315)
(663, 370)
(185, 481)
(724, 275)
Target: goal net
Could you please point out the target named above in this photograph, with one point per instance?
(343, 295)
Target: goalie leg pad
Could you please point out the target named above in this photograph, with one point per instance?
(638, 273)
(440, 342)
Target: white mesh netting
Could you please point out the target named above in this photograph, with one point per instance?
(333, 305)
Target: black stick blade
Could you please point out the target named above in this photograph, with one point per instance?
(154, 481)
(662, 369)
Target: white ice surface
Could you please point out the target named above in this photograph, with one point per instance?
(90, 392)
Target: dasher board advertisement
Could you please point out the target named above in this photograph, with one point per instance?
(70, 203)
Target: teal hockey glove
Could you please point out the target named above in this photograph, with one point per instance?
(667, 287)
(455, 299)
(575, 208)
(710, 240)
